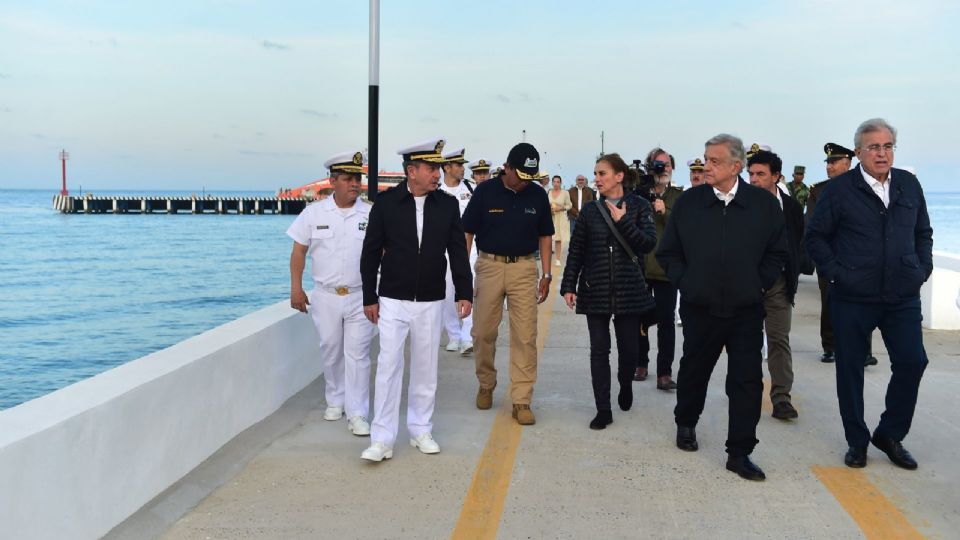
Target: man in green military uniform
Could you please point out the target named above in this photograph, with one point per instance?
(839, 161)
(798, 190)
(662, 196)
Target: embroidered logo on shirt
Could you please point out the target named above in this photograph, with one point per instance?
(530, 211)
(322, 227)
(362, 225)
(464, 196)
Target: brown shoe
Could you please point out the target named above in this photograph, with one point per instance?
(524, 415)
(485, 398)
(641, 374)
(666, 383)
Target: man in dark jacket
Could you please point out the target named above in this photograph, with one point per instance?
(412, 229)
(870, 237)
(765, 172)
(724, 245)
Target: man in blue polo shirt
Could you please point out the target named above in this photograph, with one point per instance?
(510, 219)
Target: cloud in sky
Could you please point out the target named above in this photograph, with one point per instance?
(274, 45)
(318, 114)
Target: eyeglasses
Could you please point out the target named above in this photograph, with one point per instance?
(875, 148)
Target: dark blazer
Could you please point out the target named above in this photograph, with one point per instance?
(870, 253)
(793, 218)
(724, 257)
(599, 270)
(588, 197)
(409, 271)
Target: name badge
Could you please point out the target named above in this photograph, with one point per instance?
(495, 210)
(322, 227)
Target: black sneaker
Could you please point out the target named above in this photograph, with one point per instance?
(784, 411)
(827, 357)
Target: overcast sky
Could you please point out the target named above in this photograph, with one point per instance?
(231, 94)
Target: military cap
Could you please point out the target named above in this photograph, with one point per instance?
(525, 159)
(454, 156)
(799, 169)
(695, 164)
(347, 162)
(835, 151)
(754, 148)
(428, 150)
(482, 165)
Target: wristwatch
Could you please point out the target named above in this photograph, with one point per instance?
(546, 276)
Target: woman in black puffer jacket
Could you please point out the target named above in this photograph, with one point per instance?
(601, 280)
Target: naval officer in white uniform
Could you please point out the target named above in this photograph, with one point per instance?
(458, 330)
(331, 232)
(414, 229)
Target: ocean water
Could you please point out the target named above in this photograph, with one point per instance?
(80, 294)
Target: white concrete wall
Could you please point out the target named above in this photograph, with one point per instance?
(941, 293)
(77, 462)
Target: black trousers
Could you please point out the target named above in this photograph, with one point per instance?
(826, 324)
(899, 325)
(665, 296)
(704, 337)
(627, 328)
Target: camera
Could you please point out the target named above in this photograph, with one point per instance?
(647, 178)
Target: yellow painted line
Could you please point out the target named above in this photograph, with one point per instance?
(876, 516)
(483, 504)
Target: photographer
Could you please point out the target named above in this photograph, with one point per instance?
(656, 186)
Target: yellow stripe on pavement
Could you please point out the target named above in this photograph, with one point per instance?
(876, 516)
(483, 504)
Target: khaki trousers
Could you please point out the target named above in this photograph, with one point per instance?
(777, 326)
(517, 282)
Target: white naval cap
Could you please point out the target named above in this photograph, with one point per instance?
(348, 162)
(755, 147)
(428, 150)
(480, 165)
(695, 164)
(455, 156)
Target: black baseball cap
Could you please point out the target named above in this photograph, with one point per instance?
(525, 159)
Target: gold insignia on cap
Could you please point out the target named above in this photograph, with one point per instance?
(358, 158)
(754, 148)
(439, 147)
(483, 163)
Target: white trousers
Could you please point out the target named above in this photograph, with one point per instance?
(421, 321)
(345, 336)
(457, 329)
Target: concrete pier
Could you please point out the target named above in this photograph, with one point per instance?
(178, 205)
(295, 475)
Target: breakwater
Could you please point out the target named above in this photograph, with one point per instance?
(175, 205)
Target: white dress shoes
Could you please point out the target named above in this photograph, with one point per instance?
(466, 348)
(425, 443)
(358, 426)
(333, 413)
(453, 346)
(377, 452)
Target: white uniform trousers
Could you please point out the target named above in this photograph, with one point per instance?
(457, 329)
(345, 336)
(421, 320)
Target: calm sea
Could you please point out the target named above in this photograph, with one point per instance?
(80, 294)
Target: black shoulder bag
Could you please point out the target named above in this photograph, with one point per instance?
(649, 317)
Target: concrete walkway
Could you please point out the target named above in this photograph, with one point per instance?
(559, 479)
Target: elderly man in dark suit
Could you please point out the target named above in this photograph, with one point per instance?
(724, 245)
(870, 236)
(580, 196)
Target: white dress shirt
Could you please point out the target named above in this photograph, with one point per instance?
(882, 189)
(334, 237)
(727, 197)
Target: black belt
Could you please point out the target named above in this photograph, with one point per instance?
(506, 258)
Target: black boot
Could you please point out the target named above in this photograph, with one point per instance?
(601, 420)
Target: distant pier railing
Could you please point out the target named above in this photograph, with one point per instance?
(175, 205)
